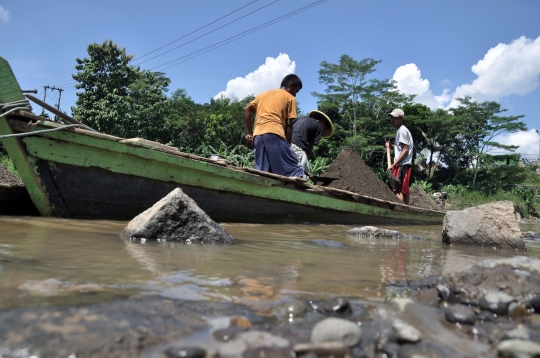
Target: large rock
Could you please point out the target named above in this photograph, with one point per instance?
(175, 217)
(518, 276)
(492, 224)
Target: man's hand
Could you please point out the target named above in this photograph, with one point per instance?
(390, 168)
(249, 138)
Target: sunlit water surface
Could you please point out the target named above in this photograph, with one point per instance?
(47, 261)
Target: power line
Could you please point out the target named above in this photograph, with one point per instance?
(239, 36)
(209, 32)
(200, 28)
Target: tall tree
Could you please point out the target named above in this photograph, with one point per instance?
(115, 97)
(357, 104)
(481, 125)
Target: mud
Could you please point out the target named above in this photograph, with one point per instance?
(354, 175)
(421, 199)
(7, 178)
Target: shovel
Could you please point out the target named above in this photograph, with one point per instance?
(394, 182)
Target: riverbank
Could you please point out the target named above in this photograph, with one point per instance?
(458, 314)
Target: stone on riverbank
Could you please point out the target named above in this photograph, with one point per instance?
(375, 232)
(176, 217)
(492, 224)
(336, 330)
(517, 276)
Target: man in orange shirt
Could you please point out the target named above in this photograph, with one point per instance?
(275, 111)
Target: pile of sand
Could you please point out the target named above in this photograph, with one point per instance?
(7, 178)
(354, 175)
(421, 199)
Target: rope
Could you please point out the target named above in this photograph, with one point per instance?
(24, 105)
(45, 131)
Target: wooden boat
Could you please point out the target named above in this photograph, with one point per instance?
(78, 173)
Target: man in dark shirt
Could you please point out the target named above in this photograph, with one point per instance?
(307, 132)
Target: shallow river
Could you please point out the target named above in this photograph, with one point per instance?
(46, 261)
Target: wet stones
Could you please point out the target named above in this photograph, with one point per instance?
(184, 352)
(518, 276)
(492, 225)
(176, 217)
(338, 306)
(406, 333)
(518, 348)
(460, 314)
(496, 302)
(375, 232)
(336, 329)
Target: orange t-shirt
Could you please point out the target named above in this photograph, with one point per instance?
(272, 110)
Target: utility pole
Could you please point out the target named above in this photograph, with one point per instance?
(59, 96)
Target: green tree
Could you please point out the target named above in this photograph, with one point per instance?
(359, 105)
(117, 98)
(481, 124)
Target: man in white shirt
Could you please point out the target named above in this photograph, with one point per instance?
(403, 153)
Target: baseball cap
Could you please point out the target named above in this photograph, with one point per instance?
(397, 113)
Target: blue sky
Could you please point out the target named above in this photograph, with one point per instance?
(439, 50)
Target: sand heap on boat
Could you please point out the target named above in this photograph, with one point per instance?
(354, 175)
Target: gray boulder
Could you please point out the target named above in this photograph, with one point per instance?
(176, 217)
(518, 276)
(492, 224)
(375, 232)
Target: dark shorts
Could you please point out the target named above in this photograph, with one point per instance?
(403, 173)
(273, 154)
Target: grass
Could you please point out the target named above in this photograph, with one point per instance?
(8, 164)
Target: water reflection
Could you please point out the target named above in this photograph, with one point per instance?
(266, 264)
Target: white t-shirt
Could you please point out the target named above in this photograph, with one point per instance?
(403, 136)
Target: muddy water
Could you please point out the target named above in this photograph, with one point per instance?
(46, 261)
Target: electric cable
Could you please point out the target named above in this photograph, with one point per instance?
(238, 36)
(203, 35)
(200, 28)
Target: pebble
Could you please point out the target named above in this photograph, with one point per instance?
(518, 333)
(337, 305)
(486, 316)
(321, 348)
(184, 352)
(446, 295)
(460, 314)
(515, 310)
(496, 302)
(429, 297)
(336, 329)
(518, 348)
(290, 311)
(405, 332)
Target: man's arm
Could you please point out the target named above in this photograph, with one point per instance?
(248, 111)
(289, 129)
(402, 156)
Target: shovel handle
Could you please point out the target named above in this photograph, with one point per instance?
(387, 145)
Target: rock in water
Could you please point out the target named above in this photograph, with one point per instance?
(176, 217)
(492, 224)
(375, 232)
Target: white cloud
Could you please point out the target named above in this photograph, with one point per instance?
(409, 81)
(507, 69)
(4, 15)
(528, 142)
(267, 76)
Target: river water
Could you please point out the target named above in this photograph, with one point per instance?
(48, 261)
